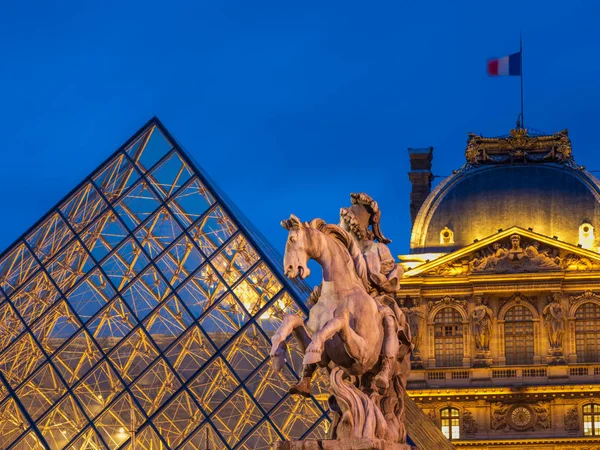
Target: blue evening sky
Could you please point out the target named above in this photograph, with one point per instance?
(290, 106)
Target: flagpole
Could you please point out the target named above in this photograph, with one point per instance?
(521, 56)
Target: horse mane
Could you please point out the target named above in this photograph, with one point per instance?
(344, 238)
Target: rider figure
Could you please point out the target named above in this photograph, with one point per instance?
(361, 220)
(384, 275)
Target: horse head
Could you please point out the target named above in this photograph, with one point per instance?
(295, 259)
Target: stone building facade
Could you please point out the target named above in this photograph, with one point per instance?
(502, 290)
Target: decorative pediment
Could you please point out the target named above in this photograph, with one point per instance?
(447, 300)
(511, 251)
(518, 298)
(519, 146)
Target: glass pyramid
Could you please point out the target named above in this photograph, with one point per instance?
(137, 314)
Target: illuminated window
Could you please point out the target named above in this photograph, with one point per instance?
(591, 420)
(518, 335)
(587, 332)
(448, 331)
(586, 236)
(450, 423)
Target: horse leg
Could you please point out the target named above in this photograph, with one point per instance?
(390, 350)
(278, 353)
(303, 387)
(353, 343)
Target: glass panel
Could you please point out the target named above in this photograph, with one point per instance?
(235, 259)
(91, 295)
(41, 391)
(10, 326)
(35, 297)
(115, 424)
(21, 359)
(268, 387)
(49, 237)
(178, 419)
(261, 438)
(104, 235)
(212, 230)
(155, 148)
(134, 355)
(224, 320)
(12, 423)
(202, 290)
(76, 358)
(168, 322)
(180, 261)
(170, 175)
(15, 268)
(204, 437)
(146, 292)
(518, 329)
(190, 353)
(237, 417)
(125, 263)
(191, 202)
(98, 389)
(137, 205)
(69, 266)
(257, 289)
(213, 385)
(295, 415)
(247, 351)
(114, 322)
(155, 387)
(62, 423)
(116, 178)
(83, 207)
(55, 327)
(156, 234)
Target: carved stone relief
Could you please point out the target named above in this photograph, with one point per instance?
(572, 420)
(447, 300)
(515, 254)
(469, 423)
(520, 416)
(518, 298)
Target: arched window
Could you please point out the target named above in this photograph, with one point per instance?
(518, 335)
(450, 423)
(587, 332)
(591, 420)
(448, 335)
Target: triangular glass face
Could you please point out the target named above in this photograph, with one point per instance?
(138, 312)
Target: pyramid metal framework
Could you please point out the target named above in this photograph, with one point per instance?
(137, 314)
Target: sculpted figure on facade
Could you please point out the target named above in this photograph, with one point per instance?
(555, 321)
(355, 328)
(540, 258)
(481, 325)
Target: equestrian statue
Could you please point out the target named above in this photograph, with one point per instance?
(355, 329)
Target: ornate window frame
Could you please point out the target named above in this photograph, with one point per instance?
(433, 308)
(575, 302)
(517, 299)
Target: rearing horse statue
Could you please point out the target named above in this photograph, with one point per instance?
(344, 327)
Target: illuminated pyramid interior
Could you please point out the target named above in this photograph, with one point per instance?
(137, 314)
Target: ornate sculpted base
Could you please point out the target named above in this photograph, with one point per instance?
(555, 357)
(482, 359)
(328, 444)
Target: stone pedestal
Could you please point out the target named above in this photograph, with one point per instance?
(328, 444)
(555, 357)
(482, 359)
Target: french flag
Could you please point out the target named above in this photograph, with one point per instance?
(508, 65)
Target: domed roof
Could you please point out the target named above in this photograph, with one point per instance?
(530, 182)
